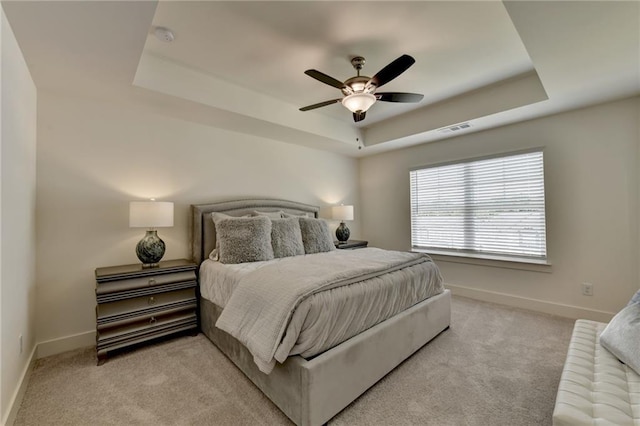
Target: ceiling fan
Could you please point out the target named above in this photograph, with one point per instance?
(360, 91)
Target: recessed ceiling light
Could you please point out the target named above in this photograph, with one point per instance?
(163, 34)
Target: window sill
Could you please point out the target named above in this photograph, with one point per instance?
(489, 260)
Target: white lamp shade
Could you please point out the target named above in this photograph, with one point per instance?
(150, 214)
(342, 212)
(359, 102)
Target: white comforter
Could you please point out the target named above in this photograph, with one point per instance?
(307, 304)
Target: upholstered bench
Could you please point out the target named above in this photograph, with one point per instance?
(595, 387)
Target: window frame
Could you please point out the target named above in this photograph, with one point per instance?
(516, 261)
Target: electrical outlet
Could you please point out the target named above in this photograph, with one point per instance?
(20, 339)
(587, 289)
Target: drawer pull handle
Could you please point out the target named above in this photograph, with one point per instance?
(152, 281)
(152, 320)
(152, 300)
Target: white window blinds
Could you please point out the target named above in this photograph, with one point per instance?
(487, 206)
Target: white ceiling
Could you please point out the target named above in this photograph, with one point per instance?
(267, 46)
(240, 65)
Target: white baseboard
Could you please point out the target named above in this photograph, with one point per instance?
(552, 308)
(16, 399)
(67, 343)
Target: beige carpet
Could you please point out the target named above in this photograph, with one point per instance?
(494, 366)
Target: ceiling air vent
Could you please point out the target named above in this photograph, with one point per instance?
(454, 128)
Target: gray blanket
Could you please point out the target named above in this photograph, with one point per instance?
(259, 311)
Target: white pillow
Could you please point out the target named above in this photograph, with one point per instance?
(310, 215)
(621, 337)
(271, 215)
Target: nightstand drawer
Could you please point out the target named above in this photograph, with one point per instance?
(125, 319)
(144, 282)
(105, 311)
(114, 297)
(145, 328)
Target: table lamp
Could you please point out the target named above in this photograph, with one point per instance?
(342, 213)
(150, 214)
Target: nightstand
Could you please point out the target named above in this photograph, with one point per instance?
(351, 244)
(136, 304)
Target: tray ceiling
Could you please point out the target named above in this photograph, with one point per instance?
(240, 65)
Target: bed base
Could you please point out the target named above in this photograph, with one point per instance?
(310, 392)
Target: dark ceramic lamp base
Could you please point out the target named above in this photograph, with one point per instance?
(342, 233)
(150, 249)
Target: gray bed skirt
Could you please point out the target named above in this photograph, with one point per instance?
(310, 392)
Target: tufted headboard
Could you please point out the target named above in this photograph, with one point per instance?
(203, 238)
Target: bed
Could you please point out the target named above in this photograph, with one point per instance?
(309, 387)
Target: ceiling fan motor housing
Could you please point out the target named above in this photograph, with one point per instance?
(357, 85)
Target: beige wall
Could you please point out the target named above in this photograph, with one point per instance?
(591, 172)
(95, 157)
(17, 214)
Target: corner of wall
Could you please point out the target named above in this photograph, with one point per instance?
(21, 388)
(41, 350)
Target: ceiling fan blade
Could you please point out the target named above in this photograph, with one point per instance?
(320, 104)
(325, 78)
(359, 116)
(391, 71)
(398, 97)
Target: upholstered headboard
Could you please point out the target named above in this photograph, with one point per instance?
(203, 238)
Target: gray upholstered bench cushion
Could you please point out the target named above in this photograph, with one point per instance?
(595, 388)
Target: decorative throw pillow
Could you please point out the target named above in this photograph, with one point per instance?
(316, 236)
(621, 336)
(216, 216)
(286, 237)
(244, 239)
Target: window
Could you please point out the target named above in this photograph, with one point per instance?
(490, 206)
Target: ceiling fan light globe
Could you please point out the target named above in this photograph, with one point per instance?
(359, 102)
